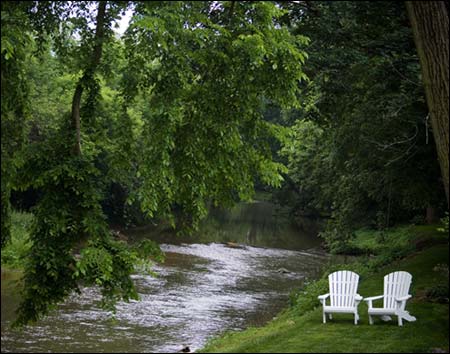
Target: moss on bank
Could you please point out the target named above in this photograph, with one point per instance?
(420, 250)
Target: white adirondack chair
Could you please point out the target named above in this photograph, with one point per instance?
(343, 294)
(396, 288)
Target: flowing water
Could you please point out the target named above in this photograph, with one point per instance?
(202, 290)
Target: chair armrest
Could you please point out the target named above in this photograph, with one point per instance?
(323, 297)
(373, 298)
(403, 298)
(358, 297)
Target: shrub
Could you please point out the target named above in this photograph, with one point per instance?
(438, 293)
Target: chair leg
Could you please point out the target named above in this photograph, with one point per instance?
(324, 317)
(370, 320)
(356, 318)
(330, 316)
(400, 320)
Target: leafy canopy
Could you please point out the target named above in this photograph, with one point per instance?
(181, 128)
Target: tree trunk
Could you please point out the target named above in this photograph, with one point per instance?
(88, 74)
(429, 21)
(431, 217)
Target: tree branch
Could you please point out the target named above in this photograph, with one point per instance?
(89, 71)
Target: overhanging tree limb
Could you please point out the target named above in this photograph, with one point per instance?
(88, 73)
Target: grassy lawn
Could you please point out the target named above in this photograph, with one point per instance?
(305, 333)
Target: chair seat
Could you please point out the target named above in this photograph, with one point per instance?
(334, 309)
(382, 311)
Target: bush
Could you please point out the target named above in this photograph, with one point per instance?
(306, 299)
(438, 293)
(337, 238)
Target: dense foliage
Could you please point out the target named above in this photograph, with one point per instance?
(171, 114)
(361, 148)
(15, 44)
(203, 71)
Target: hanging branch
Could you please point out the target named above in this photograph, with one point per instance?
(88, 74)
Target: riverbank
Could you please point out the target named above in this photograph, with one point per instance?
(420, 250)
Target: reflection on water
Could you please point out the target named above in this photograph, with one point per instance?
(201, 291)
(261, 224)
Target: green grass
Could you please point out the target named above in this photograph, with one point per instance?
(14, 253)
(300, 329)
(405, 237)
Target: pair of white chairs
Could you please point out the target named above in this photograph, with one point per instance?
(345, 299)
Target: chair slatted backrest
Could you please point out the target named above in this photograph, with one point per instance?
(396, 284)
(343, 287)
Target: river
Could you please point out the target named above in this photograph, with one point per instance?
(202, 290)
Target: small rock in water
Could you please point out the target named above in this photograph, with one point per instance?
(234, 245)
(282, 270)
(186, 349)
